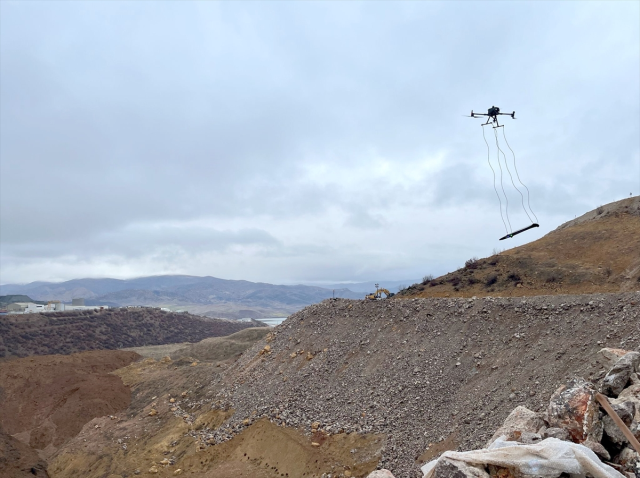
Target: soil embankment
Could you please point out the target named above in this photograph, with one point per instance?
(18, 460)
(597, 252)
(171, 401)
(427, 374)
(45, 401)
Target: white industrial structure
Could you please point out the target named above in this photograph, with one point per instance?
(52, 306)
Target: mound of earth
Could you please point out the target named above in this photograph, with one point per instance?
(77, 331)
(597, 252)
(46, 400)
(426, 374)
(222, 348)
(171, 401)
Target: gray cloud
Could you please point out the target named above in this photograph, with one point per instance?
(300, 141)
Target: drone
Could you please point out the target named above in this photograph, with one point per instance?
(492, 115)
(492, 118)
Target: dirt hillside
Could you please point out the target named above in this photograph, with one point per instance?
(171, 401)
(597, 252)
(18, 460)
(45, 401)
(77, 331)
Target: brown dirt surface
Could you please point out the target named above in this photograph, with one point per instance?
(136, 440)
(46, 400)
(597, 252)
(18, 460)
(111, 329)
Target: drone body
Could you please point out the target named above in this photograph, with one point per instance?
(492, 115)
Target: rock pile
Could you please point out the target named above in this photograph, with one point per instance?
(428, 374)
(574, 415)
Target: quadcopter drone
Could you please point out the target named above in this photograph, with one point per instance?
(492, 118)
(492, 115)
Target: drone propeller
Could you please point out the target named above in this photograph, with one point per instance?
(469, 116)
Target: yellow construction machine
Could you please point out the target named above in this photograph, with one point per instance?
(377, 295)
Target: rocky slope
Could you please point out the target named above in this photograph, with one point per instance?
(344, 387)
(597, 252)
(427, 374)
(76, 331)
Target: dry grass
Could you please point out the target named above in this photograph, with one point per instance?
(597, 252)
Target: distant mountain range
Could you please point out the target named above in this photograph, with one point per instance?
(203, 295)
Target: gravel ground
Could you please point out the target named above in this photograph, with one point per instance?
(430, 374)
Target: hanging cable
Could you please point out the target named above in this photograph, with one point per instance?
(494, 179)
(506, 208)
(518, 175)
(511, 176)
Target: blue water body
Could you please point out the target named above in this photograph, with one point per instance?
(273, 321)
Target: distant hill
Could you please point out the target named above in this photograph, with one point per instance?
(203, 295)
(77, 331)
(5, 300)
(597, 252)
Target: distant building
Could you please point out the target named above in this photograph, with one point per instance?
(52, 306)
(17, 307)
(26, 308)
(77, 301)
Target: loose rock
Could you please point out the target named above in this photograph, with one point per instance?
(620, 374)
(520, 420)
(573, 407)
(447, 468)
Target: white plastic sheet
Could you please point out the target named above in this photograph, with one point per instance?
(547, 459)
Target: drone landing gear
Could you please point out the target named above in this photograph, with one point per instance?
(509, 236)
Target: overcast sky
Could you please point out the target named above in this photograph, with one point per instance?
(302, 141)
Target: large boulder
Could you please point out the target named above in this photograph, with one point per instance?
(520, 420)
(573, 407)
(448, 468)
(626, 410)
(611, 355)
(613, 433)
(619, 375)
(632, 394)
